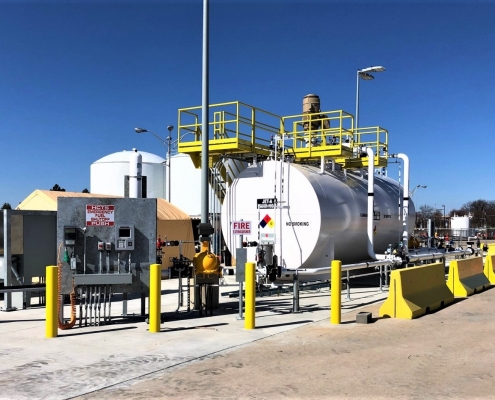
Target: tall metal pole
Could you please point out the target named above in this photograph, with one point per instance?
(357, 102)
(169, 171)
(205, 120)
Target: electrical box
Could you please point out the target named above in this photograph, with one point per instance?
(70, 234)
(124, 237)
(108, 246)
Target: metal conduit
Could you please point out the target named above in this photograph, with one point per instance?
(347, 267)
(371, 264)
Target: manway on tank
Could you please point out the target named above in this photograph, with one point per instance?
(313, 216)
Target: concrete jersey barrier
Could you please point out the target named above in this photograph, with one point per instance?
(466, 277)
(488, 269)
(414, 291)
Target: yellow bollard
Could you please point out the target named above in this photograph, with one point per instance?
(250, 296)
(51, 302)
(336, 292)
(155, 297)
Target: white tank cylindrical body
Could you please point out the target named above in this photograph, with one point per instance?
(459, 225)
(110, 174)
(321, 216)
(135, 174)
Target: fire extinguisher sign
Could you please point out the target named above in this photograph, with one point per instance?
(100, 215)
(241, 227)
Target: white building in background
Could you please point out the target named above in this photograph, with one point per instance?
(109, 175)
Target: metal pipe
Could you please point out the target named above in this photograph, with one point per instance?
(239, 246)
(371, 194)
(85, 306)
(80, 306)
(90, 305)
(405, 203)
(84, 255)
(99, 305)
(100, 266)
(110, 304)
(205, 121)
(129, 262)
(95, 308)
(357, 105)
(347, 267)
(104, 304)
(118, 262)
(348, 285)
(108, 262)
(295, 294)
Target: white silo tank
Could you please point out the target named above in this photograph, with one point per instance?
(460, 225)
(108, 174)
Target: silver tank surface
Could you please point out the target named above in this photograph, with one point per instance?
(320, 216)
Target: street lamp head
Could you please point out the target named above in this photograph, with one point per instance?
(170, 128)
(377, 68)
(140, 130)
(366, 76)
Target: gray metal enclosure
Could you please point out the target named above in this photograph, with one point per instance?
(106, 242)
(27, 246)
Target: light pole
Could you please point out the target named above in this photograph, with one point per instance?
(411, 193)
(444, 221)
(364, 74)
(167, 142)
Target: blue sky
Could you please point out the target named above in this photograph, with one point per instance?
(77, 77)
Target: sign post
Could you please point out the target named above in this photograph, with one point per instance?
(239, 228)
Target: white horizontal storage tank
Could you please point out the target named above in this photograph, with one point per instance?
(108, 174)
(317, 209)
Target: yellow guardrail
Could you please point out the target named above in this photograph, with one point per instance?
(414, 291)
(466, 277)
(235, 127)
(374, 137)
(313, 135)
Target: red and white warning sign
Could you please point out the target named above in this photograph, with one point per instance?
(241, 227)
(97, 215)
